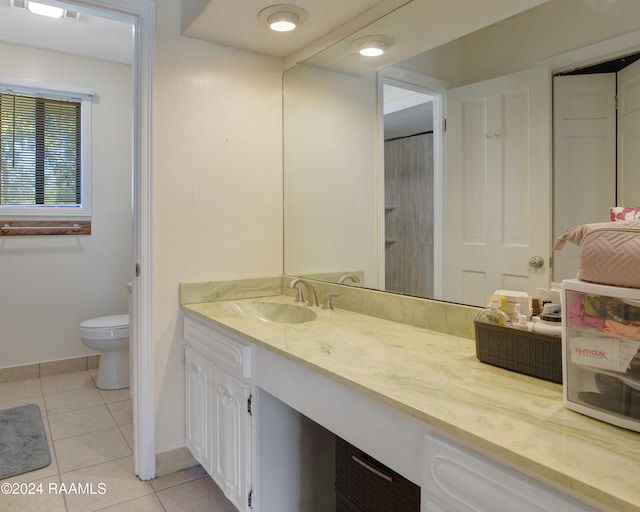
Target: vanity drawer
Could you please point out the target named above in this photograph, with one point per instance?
(218, 347)
(365, 484)
(344, 503)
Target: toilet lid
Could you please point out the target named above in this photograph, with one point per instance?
(107, 322)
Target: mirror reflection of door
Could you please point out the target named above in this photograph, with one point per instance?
(596, 148)
(498, 186)
(408, 191)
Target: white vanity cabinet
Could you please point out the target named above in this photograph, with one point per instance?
(218, 415)
(281, 456)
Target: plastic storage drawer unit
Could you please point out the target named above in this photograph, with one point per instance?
(601, 351)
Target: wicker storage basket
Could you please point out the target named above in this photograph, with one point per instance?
(377, 489)
(525, 352)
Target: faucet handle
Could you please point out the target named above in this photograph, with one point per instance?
(327, 301)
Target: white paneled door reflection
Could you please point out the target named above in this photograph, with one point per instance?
(498, 186)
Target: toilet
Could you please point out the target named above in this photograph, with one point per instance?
(109, 335)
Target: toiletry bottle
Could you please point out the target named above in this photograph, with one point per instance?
(523, 324)
(493, 315)
(515, 316)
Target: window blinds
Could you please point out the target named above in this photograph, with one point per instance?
(40, 151)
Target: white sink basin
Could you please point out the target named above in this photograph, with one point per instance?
(275, 312)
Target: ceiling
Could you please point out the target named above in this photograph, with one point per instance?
(88, 36)
(235, 23)
(227, 22)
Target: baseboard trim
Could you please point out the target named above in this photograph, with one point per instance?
(35, 370)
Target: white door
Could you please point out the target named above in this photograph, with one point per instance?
(498, 186)
(584, 176)
(629, 135)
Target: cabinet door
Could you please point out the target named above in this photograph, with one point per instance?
(198, 377)
(231, 419)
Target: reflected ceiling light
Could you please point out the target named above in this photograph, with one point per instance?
(45, 10)
(372, 46)
(283, 21)
(282, 17)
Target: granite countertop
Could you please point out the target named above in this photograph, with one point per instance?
(517, 420)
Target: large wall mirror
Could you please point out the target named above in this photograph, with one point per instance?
(374, 184)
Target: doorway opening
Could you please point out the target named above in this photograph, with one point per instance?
(140, 14)
(411, 182)
(408, 191)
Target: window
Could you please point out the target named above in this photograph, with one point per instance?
(45, 142)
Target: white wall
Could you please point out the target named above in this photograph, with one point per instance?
(330, 147)
(217, 176)
(52, 283)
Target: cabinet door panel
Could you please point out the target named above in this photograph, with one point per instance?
(460, 480)
(232, 436)
(198, 375)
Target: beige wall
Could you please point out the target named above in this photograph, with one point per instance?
(330, 173)
(52, 283)
(217, 174)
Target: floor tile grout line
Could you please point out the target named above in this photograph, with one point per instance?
(53, 446)
(152, 493)
(117, 427)
(102, 429)
(181, 483)
(71, 390)
(94, 465)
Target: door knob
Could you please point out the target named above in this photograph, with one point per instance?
(536, 262)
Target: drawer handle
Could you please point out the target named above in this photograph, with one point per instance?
(373, 470)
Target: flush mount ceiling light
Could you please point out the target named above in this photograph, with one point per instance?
(282, 17)
(372, 46)
(43, 9)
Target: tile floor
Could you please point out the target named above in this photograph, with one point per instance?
(90, 435)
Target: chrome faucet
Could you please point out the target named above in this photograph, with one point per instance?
(348, 277)
(311, 292)
(327, 302)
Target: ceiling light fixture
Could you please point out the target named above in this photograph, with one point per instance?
(283, 21)
(282, 17)
(372, 46)
(45, 10)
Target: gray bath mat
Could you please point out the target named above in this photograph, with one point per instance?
(23, 442)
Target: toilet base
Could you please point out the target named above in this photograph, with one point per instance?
(113, 370)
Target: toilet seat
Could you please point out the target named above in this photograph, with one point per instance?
(105, 327)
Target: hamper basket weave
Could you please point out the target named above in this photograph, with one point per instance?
(525, 352)
(358, 488)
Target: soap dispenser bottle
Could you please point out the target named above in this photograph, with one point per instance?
(493, 314)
